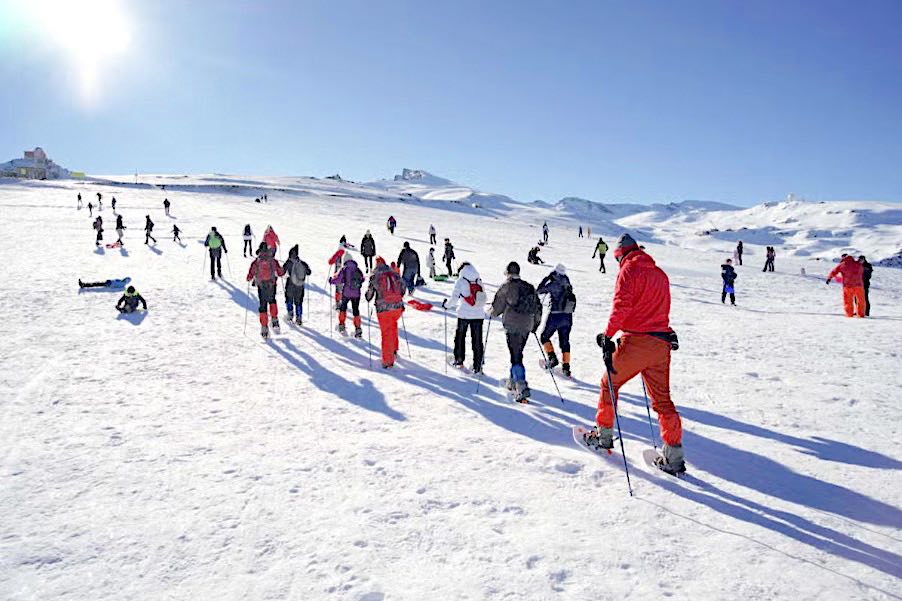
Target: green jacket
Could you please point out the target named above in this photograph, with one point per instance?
(600, 249)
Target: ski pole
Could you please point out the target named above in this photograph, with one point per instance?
(550, 371)
(228, 264)
(203, 269)
(619, 431)
(330, 307)
(654, 439)
(406, 339)
(445, 315)
(246, 307)
(488, 331)
(369, 332)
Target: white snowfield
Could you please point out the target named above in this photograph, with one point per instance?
(171, 455)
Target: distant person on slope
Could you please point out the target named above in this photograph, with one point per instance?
(448, 256)
(867, 270)
(521, 309)
(468, 300)
(263, 272)
(90, 210)
(430, 263)
(728, 275)
(368, 250)
(409, 262)
(350, 281)
(601, 249)
(739, 249)
(128, 302)
(248, 237)
(580, 231)
(175, 234)
(98, 227)
(392, 223)
(79, 201)
(166, 205)
(533, 256)
(641, 310)
(148, 228)
(562, 304)
(113, 203)
(387, 289)
(852, 285)
(545, 232)
(296, 272)
(770, 255)
(216, 245)
(432, 234)
(120, 228)
(271, 239)
(116, 284)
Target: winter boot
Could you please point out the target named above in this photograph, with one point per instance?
(599, 438)
(264, 331)
(552, 361)
(342, 329)
(299, 319)
(671, 460)
(275, 326)
(521, 391)
(358, 332)
(566, 370)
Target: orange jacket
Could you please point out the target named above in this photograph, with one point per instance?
(852, 273)
(641, 297)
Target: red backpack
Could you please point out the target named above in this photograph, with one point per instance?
(475, 289)
(265, 270)
(390, 287)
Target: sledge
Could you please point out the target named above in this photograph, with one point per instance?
(116, 244)
(420, 305)
(440, 278)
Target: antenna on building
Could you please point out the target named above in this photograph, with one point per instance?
(136, 176)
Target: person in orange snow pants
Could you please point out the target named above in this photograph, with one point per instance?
(388, 326)
(649, 357)
(852, 285)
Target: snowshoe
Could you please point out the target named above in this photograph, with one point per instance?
(552, 361)
(671, 460)
(299, 320)
(565, 369)
(264, 332)
(599, 439)
(342, 329)
(275, 326)
(358, 333)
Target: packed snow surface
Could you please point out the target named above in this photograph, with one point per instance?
(173, 455)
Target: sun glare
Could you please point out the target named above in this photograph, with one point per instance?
(90, 33)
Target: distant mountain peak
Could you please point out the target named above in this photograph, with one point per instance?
(420, 176)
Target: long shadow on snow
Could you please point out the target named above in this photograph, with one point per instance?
(776, 480)
(827, 450)
(362, 394)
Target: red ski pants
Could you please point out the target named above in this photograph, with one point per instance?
(853, 301)
(388, 326)
(650, 357)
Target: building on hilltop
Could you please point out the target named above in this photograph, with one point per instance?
(36, 165)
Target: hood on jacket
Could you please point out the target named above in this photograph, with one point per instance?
(469, 273)
(293, 253)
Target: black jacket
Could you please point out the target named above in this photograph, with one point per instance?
(728, 274)
(409, 260)
(866, 274)
(129, 302)
(368, 246)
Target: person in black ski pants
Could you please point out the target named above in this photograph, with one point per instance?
(739, 252)
(448, 256)
(866, 279)
(148, 228)
(728, 274)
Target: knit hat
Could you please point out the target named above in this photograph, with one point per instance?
(625, 245)
(513, 268)
(380, 261)
(559, 268)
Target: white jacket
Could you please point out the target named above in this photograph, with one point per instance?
(462, 290)
(430, 260)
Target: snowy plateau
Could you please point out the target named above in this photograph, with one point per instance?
(172, 455)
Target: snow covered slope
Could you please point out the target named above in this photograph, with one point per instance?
(172, 456)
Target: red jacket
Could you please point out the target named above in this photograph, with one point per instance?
(641, 297)
(271, 239)
(852, 273)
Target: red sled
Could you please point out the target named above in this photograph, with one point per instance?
(420, 305)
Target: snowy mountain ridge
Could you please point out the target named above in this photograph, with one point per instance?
(809, 229)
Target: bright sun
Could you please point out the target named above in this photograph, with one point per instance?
(91, 33)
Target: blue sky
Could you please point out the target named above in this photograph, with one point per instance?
(613, 101)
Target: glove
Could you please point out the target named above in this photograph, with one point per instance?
(828, 281)
(607, 349)
(444, 303)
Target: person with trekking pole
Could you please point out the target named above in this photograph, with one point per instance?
(562, 304)
(521, 311)
(641, 312)
(264, 273)
(468, 300)
(296, 272)
(387, 289)
(215, 243)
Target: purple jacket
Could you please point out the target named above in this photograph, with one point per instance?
(346, 281)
